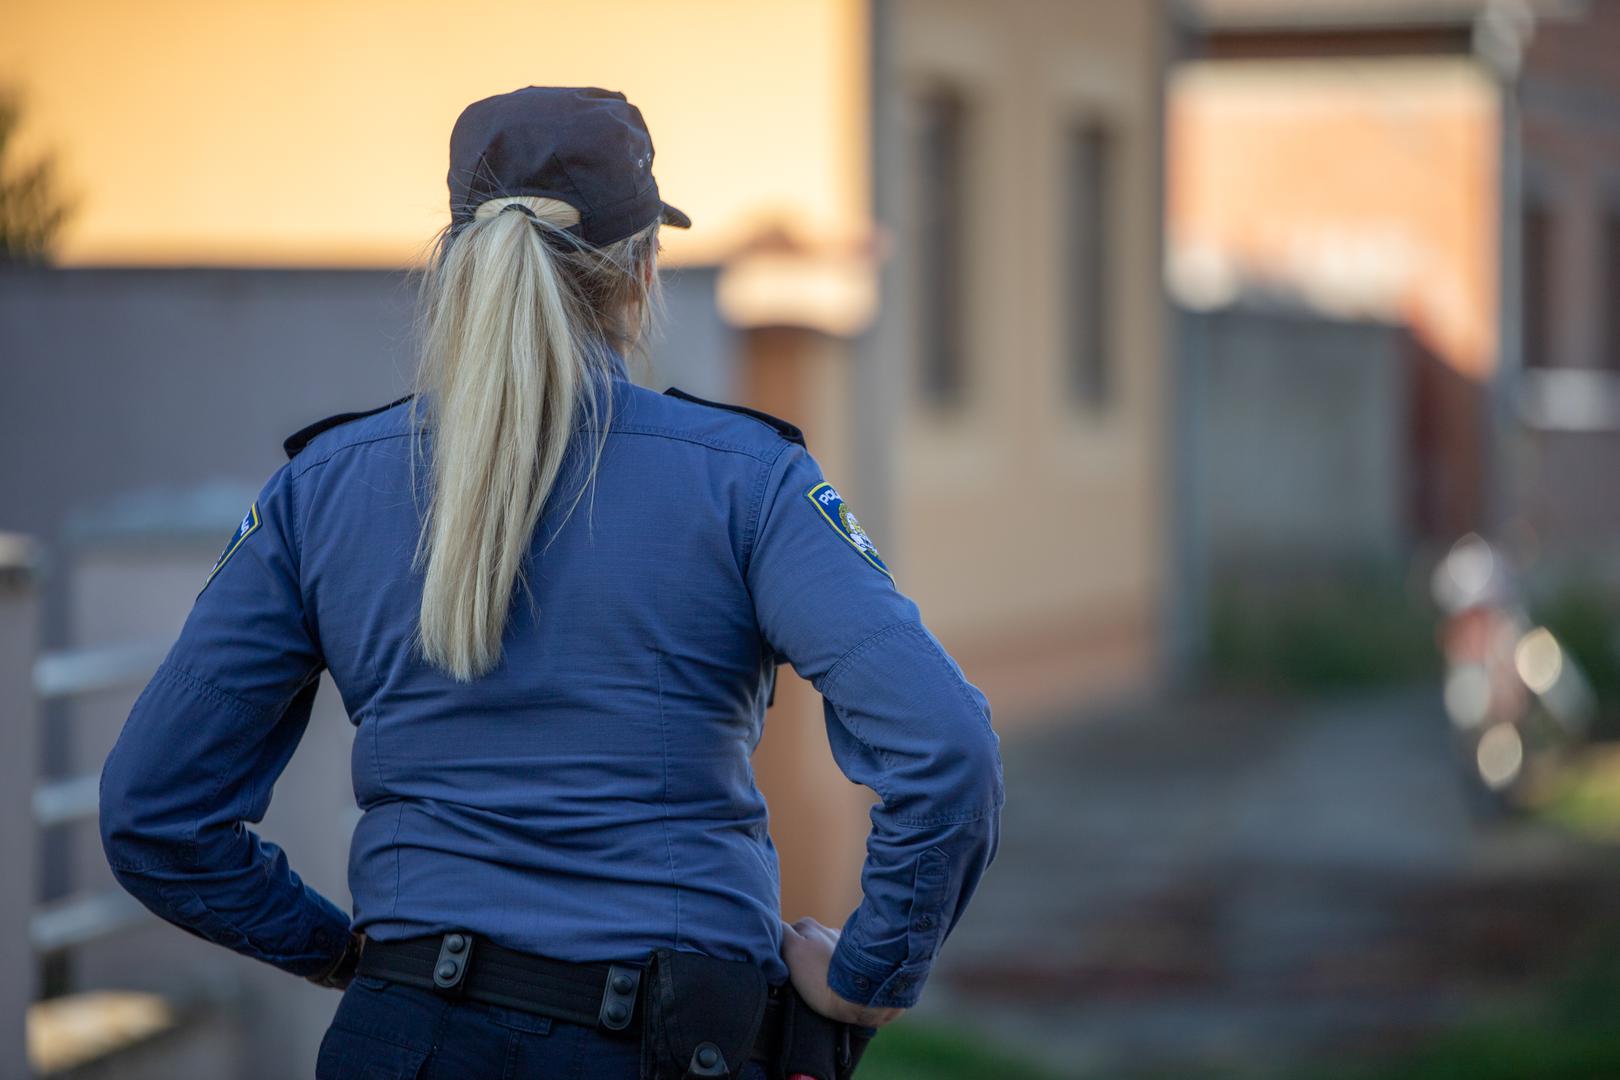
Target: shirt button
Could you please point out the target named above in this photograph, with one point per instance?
(323, 939)
(862, 981)
(924, 922)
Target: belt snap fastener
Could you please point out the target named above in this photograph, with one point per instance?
(455, 957)
(618, 997)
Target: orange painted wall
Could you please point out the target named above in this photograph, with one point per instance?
(1369, 186)
(314, 132)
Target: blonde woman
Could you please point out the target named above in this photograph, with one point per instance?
(554, 603)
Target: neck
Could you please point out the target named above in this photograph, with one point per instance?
(616, 364)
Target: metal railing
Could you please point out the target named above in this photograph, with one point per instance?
(67, 673)
(28, 680)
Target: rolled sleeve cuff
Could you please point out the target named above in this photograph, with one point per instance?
(863, 979)
(328, 940)
(311, 944)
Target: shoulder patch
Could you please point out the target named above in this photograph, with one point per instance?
(832, 508)
(788, 431)
(249, 525)
(301, 438)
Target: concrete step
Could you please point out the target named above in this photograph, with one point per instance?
(107, 1034)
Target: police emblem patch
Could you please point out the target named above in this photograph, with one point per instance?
(248, 526)
(825, 498)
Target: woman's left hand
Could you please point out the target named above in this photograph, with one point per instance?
(807, 946)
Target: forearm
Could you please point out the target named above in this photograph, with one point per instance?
(928, 749)
(245, 897)
(176, 794)
(916, 883)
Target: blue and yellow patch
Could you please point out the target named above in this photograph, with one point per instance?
(250, 525)
(825, 498)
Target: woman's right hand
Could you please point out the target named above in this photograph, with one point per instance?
(807, 947)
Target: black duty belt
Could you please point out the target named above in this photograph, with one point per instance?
(604, 996)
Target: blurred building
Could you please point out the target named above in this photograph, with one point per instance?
(973, 345)
(997, 413)
(1446, 168)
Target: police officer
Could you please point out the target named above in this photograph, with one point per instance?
(554, 603)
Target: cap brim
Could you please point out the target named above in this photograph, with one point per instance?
(672, 216)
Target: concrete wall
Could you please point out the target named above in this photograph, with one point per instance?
(1295, 436)
(145, 380)
(1295, 456)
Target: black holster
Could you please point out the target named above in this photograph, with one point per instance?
(702, 1018)
(815, 1045)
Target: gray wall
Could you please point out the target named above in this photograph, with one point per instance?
(1292, 455)
(126, 382)
(1295, 438)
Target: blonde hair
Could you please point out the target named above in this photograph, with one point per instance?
(513, 312)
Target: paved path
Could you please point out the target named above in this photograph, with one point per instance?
(1238, 884)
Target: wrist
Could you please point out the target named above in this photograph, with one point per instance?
(338, 975)
(871, 982)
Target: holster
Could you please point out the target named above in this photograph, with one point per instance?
(816, 1046)
(701, 1015)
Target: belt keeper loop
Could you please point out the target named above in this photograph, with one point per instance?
(618, 997)
(455, 957)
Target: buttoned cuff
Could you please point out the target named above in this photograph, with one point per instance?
(863, 979)
(328, 942)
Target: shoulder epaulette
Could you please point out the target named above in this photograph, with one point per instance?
(302, 437)
(788, 431)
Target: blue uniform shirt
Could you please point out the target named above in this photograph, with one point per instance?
(591, 798)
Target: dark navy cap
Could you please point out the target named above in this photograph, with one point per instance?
(586, 146)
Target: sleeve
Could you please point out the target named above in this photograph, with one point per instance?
(901, 719)
(203, 746)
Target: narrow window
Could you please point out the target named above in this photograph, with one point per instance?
(1611, 288)
(1089, 197)
(941, 229)
(1538, 291)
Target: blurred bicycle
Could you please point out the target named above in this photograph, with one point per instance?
(1517, 700)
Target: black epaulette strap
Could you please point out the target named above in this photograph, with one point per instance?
(301, 438)
(783, 428)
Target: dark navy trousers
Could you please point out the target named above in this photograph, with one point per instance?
(387, 1031)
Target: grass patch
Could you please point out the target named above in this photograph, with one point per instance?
(1584, 797)
(1361, 630)
(913, 1050)
(1572, 1032)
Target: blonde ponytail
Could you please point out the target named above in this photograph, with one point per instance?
(514, 311)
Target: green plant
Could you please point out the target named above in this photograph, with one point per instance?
(32, 209)
(916, 1050)
(1586, 622)
(1360, 629)
(1568, 1033)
